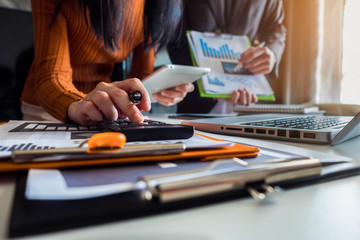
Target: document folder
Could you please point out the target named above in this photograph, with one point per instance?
(170, 192)
(22, 160)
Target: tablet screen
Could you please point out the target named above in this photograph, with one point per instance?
(172, 75)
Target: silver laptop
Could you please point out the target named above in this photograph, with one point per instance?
(285, 127)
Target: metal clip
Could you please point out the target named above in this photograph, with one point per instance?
(256, 194)
(262, 195)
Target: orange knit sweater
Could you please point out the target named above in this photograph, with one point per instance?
(70, 61)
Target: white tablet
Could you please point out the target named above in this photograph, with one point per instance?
(172, 75)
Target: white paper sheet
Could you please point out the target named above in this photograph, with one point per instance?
(31, 140)
(220, 83)
(49, 184)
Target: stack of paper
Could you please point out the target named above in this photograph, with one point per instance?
(277, 108)
(57, 148)
(221, 54)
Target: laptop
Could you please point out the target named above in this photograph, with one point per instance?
(285, 127)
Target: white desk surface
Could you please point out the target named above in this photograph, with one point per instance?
(328, 210)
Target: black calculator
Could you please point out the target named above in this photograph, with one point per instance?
(148, 130)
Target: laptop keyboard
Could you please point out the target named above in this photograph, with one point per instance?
(308, 122)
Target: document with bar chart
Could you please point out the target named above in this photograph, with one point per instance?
(31, 135)
(221, 52)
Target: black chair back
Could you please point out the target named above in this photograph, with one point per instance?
(16, 55)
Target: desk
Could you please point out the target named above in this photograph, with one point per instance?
(328, 210)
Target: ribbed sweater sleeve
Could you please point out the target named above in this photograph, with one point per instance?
(54, 88)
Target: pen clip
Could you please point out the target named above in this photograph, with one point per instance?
(217, 34)
(212, 180)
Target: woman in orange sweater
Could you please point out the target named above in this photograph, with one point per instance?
(77, 44)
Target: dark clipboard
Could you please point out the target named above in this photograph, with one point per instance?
(29, 217)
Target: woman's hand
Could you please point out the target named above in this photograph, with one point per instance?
(171, 96)
(242, 97)
(111, 101)
(258, 60)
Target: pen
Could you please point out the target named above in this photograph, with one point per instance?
(239, 65)
(135, 97)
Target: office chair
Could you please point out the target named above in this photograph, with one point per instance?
(16, 55)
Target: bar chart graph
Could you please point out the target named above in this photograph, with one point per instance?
(220, 52)
(215, 81)
(23, 146)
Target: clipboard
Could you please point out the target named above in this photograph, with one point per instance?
(41, 216)
(136, 156)
(30, 217)
(202, 92)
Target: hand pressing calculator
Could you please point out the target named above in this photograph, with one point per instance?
(148, 130)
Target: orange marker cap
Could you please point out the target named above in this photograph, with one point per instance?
(107, 140)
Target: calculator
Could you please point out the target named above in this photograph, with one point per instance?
(147, 130)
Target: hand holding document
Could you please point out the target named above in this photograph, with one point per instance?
(222, 53)
(240, 65)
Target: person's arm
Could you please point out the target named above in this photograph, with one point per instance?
(111, 100)
(54, 88)
(272, 30)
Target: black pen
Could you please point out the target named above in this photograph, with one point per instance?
(135, 96)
